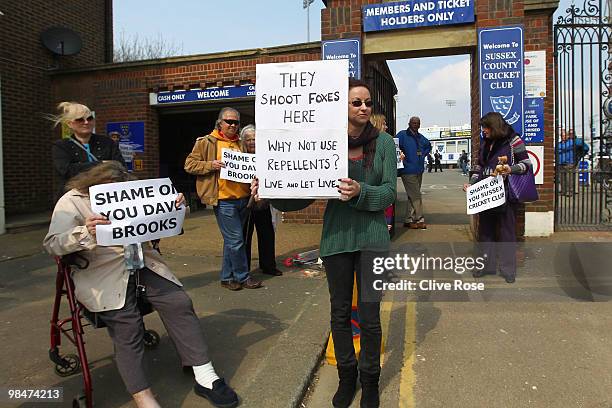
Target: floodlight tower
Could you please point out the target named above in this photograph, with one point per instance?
(450, 103)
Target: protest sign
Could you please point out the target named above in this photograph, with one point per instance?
(301, 144)
(139, 211)
(400, 163)
(486, 194)
(239, 167)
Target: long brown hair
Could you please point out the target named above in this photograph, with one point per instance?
(107, 172)
(499, 127)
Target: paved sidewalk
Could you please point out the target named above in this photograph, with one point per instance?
(265, 342)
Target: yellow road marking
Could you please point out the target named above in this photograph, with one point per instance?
(407, 378)
(385, 317)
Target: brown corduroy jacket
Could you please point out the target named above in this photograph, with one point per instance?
(199, 163)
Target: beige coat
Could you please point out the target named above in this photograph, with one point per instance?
(199, 163)
(102, 286)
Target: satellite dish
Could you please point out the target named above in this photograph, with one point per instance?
(61, 41)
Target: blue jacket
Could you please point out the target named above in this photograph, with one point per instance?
(572, 151)
(412, 145)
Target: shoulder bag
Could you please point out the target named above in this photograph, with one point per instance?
(521, 187)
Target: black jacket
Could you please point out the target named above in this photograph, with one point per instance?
(69, 159)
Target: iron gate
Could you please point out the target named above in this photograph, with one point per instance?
(583, 132)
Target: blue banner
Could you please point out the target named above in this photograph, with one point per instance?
(502, 73)
(349, 49)
(416, 13)
(131, 134)
(534, 120)
(199, 95)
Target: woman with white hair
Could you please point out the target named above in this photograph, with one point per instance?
(260, 217)
(83, 149)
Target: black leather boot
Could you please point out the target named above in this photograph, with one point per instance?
(369, 390)
(346, 387)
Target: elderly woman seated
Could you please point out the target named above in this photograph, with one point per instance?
(108, 287)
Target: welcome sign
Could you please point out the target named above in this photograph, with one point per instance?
(502, 74)
(416, 13)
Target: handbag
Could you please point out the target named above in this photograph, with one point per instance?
(521, 187)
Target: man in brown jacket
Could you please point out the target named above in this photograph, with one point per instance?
(228, 198)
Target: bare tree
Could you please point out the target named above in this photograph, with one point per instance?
(136, 48)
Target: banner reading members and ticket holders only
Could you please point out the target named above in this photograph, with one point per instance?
(301, 144)
(502, 69)
(139, 211)
(416, 13)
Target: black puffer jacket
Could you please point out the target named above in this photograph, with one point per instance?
(69, 159)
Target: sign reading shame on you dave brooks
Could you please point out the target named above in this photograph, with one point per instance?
(416, 13)
(502, 74)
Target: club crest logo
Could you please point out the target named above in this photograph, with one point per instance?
(503, 106)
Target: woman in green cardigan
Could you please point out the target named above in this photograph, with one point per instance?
(354, 233)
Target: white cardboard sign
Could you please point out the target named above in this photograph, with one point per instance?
(486, 194)
(400, 163)
(139, 211)
(301, 144)
(239, 167)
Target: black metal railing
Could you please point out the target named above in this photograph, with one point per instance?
(583, 130)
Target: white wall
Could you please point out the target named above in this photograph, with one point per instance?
(539, 224)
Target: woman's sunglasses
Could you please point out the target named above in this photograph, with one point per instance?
(357, 103)
(82, 120)
(232, 122)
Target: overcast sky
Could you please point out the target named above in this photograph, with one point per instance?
(204, 26)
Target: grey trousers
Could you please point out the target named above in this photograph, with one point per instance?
(126, 328)
(414, 206)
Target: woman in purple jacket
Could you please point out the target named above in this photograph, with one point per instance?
(499, 140)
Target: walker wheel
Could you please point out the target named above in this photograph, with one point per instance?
(151, 338)
(288, 262)
(71, 365)
(80, 401)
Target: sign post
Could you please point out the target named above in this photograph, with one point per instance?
(349, 49)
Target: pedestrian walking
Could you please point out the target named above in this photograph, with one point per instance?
(437, 162)
(463, 162)
(415, 147)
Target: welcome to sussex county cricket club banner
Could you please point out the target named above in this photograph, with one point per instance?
(502, 74)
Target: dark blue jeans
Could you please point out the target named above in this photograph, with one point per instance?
(230, 218)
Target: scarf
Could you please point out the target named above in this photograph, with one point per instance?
(367, 139)
(220, 135)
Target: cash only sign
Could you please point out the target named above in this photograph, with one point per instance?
(139, 211)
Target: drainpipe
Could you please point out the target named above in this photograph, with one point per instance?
(2, 219)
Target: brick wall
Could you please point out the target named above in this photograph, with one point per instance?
(25, 69)
(120, 92)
